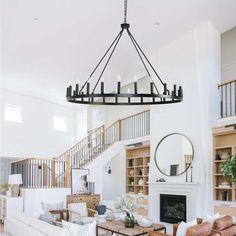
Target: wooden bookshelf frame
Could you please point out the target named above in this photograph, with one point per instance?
(137, 168)
(224, 140)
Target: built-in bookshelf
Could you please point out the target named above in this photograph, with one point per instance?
(137, 168)
(224, 146)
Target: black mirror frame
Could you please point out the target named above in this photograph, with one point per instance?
(160, 144)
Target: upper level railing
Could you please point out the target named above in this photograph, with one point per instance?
(56, 172)
(227, 93)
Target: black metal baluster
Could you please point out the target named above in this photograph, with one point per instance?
(230, 102)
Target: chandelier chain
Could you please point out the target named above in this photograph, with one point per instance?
(125, 10)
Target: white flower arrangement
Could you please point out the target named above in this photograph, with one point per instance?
(127, 204)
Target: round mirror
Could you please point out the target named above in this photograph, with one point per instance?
(174, 154)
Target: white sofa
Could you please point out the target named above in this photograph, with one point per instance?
(20, 224)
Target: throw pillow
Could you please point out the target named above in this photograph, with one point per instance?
(46, 217)
(212, 218)
(46, 207)
(182, 228)
(71, 229)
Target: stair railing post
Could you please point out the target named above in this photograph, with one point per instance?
(53, 173)
(103, 137)
(68, 172)
(45, 174)
(119, 130)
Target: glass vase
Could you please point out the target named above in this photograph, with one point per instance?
(129, 221)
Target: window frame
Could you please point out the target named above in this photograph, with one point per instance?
(57, 128)
(17, 107)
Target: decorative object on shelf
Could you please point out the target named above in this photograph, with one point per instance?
(140, 192)
(131, 179)
(79, 181)
(218, 158)
(144, 221)
(156, 95)
(141, 171)
(131, 189)
(225, 155)
(131, 163)
(225, 184)
(140, 182)
(15, 181)
(177, 148)
(131, 172)
(161, 180)
(225, 196)
(229, 168)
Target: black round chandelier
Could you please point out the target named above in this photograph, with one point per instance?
(86, 94)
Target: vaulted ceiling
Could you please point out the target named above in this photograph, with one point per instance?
(47, 44)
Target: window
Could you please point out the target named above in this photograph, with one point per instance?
(59, 123)
(12, 113)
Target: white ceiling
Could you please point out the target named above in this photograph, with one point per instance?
(48, 44)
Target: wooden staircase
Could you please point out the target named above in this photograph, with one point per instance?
(56, 172)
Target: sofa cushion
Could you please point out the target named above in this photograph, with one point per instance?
(45, 228)
(231, 231)
(222, 223)
(22, 217)
(203, 229)
(182, 228)
(71, 229)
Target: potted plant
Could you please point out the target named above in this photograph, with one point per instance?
(229, 168)
(4, 188)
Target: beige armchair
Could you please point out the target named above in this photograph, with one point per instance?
(79, 213)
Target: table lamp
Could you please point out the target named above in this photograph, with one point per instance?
(15, 181)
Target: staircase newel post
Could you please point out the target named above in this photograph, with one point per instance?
(119, 129)
(53, 173)
(68, 172)
(103, 136)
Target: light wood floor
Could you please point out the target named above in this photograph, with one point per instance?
(1, 230)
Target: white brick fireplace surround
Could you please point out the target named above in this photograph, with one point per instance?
(186, 189)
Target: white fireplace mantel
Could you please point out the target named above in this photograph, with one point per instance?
(187, 189)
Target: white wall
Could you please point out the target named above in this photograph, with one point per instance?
(194, 60)
(114, 183)
(35, 136)
(34, 197)
(228, 55)
(111, 186)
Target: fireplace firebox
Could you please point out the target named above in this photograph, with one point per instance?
(172, 208)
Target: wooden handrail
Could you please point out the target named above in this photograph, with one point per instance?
(81, 141)
(226, 82)
(128, 117)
